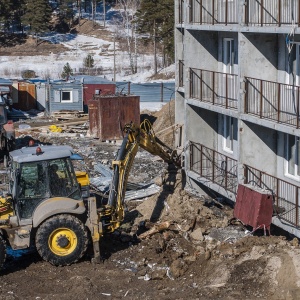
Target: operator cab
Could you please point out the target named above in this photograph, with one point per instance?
(40, 173)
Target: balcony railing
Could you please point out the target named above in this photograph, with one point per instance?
(180, 72)
(214, 87)
(213, 11)
(286, 195)
(257, 12)
(214, 166)
(272, 12)
(181, 12)
(272, 100)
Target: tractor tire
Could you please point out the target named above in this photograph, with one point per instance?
(2, 252)
(61, 240)
(11, 144)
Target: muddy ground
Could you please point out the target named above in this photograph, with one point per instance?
(201, 254)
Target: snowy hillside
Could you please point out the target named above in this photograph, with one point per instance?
(106, 54)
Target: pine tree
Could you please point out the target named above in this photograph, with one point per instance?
(89, 61)
(17, 13)
(65, 14)
(5, 7)
(37, 15)
(10, 12)
(67, 71)
(156, 17)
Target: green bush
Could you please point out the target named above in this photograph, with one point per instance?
(27, 74)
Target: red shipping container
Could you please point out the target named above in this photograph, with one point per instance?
(254, 207)
(109, 115)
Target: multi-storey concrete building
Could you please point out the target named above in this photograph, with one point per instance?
(237, 96)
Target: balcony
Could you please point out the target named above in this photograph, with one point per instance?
(272, 12)
(180, 73)
(257, 12)
(286, 195)
(217, 88)
(273, 101)
(213, 12)
(214, 166)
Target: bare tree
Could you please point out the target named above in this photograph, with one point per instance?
(128, 10)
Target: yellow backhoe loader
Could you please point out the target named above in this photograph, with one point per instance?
(47, 208)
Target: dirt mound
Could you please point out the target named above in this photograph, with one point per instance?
(189, 254)
(163, 76)
(30, 47)
(90, 28)
(163, 121)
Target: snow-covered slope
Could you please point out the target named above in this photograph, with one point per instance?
(106, 54)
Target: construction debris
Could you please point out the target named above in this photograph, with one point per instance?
(155, 229)
(104, 170)
(67, 114)
(174, 244)
(54, 128)
(142, 192)
(134, 191)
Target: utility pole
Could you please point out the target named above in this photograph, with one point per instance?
(114, 56)
(154, 42)
(104, 13)
(135, 50)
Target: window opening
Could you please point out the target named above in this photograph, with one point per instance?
(228, 134)
(292, 156)
(66, 96)
(228, 55)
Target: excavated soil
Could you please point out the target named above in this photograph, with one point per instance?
(173, 245)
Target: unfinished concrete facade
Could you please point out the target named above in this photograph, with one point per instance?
(237, 94)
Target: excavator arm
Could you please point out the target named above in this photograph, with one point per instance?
(135, 137)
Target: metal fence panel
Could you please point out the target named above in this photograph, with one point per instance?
(271, 100)
(214, 166)
(272, 12)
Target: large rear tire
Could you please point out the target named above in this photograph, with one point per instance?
(62, 240)
(2, 252)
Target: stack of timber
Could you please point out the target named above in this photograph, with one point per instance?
(67, 114)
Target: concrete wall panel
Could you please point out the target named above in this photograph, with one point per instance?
(204, 124)
(259, 56)
(259, 147)
(201, 48)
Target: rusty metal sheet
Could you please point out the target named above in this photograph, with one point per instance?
(94, 119)
(89, 90)
(254, 207)
(108, 115)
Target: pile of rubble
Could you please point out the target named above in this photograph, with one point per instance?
(173, 243)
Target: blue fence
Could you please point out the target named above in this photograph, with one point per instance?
(149, 92)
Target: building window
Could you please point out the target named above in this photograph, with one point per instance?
(66, 96)
(293, 64)
(228, 55)
(228, 131)
(292, 156)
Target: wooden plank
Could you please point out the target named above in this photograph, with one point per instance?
(47, 126)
